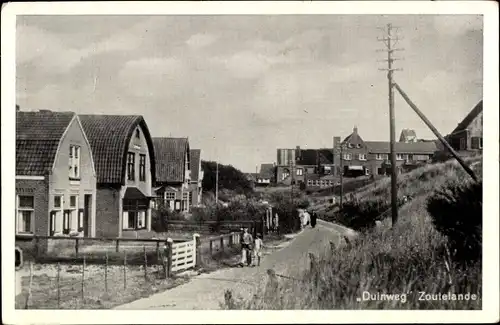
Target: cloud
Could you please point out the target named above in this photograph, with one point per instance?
(199, 41)
(457, 24)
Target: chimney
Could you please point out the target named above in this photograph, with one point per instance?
(298, 154)
(355, 130)
(17, 108)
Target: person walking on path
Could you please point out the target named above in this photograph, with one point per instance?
(246, 248)
(258, 245)
(313, 219)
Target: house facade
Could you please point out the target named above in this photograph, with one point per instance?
(266, 176)
(124, 157)
(52, 199)
(173, 173)
(361, 157)
(196, 186)
(297, 165)
(468, 135)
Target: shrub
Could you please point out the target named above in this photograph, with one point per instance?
(161, 215)
(456, 211)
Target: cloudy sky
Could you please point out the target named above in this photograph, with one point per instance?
(241, 86)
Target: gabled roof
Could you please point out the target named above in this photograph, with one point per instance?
(109, 137)
(195, 162)
(401, 147)
(470, 117)
(408, 133)
(37, 139)
(170, 161)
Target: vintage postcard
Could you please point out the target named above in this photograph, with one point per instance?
(306, 159)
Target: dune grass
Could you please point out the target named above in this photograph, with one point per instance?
(409, 262)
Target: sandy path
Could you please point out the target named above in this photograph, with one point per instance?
(206, 291)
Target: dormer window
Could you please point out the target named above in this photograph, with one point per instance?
(358, 145)
(350, 145)
(138, 134)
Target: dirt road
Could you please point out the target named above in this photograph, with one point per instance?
(206, 291)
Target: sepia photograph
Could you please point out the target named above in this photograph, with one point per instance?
(295, 157)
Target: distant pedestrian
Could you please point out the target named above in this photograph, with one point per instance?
(313, 219)
(246, 248)
(258, 245)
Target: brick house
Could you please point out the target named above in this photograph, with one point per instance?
(124, 158)
(303, 163)
(468, 135)
(266, 175)
(173, 172)
(408, 135)
(196, 186)
(361, 157)
(50, 199)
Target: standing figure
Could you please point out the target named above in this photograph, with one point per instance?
(258, 244)
(246, 250)
(313, 219)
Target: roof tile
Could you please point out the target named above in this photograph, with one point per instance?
(170, 153)
(37, 138)
(109, 136)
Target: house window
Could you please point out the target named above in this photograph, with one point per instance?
(70, 218)
(170, 195)
(379, 156)
(399, 156)
(410, 157)
(25, 214)
(138, 134)
(131, 166)
(380, 171)
(358, 145)
(300, 172)
(74, 162)
(56, 216)
(309, 182)
(476, 142)
(191, 198)
(350, 145)
(134, 214)
(362, 156)
(142, 168)
(347, 156)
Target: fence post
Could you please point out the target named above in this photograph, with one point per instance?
(145, 264)
(157, 252)
(222, 242)
(211, 246)
(231, 235)
(29, 287)
(197, 250)
(58, 285)
(169, 257)
(117, 245)
(106, 273)
(76, 247)
(125, 270)
(83, 280)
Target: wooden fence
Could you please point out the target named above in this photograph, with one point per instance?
(231, 239)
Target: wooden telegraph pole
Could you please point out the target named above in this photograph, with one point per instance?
(390, 40)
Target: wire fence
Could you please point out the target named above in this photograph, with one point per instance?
(82, 285)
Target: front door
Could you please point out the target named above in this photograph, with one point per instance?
(87, 210)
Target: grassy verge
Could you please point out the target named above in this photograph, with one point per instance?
(406, 267)
(44, 292)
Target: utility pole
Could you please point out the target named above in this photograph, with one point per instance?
(390, 40)
(217, 183)
(341, 176)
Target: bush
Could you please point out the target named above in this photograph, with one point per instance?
(361, 216)
(456, 211)
(161, 215)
